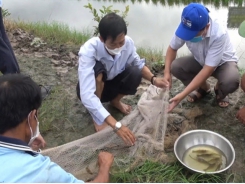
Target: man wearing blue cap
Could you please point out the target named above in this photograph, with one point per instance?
(241, 113)
(212, 55)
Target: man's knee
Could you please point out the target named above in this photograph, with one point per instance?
(230, 85)
(99, 79)
(176, 69)
(134, 74)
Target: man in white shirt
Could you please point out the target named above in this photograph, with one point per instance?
(241, 113)
(109, 68)
(212, 55)
(8, 62)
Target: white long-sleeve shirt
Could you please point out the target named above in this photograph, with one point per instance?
(94, 50)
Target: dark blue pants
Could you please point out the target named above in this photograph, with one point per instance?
(8, 62)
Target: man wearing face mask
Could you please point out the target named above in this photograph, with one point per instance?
(109, 68)
(20, 99)
(212, 54)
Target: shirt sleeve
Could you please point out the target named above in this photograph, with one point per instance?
(58, 175)
(215, 52)
(176, 43)
(88, 84)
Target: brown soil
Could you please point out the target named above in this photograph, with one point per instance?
(56, 66)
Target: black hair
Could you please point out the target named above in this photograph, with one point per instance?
(111, 25)
(19, 95)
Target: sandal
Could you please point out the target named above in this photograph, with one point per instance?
(219, 101)
(194, 96)
(45, 90)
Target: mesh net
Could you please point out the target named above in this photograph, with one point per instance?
(148, 122)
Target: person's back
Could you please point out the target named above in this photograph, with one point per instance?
(20, 99)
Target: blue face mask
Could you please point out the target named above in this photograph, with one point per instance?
(196, 39)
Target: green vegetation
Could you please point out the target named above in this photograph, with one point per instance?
(104, 11)
(58, 33)
(151, 172)
(5, 13)
(52, 33)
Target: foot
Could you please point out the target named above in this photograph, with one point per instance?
(124, 108)
(100, 127)
(221, 102)
(241, 115)
(197, 94)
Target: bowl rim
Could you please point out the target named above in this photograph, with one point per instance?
(207, 131)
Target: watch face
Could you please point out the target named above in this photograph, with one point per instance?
(118, 125)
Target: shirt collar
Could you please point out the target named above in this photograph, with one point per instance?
(16, 144)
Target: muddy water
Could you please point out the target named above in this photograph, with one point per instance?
(150, 24)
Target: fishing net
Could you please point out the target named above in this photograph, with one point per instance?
(148, 122)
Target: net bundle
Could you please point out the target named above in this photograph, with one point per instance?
(148, 122)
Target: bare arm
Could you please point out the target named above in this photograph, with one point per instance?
(105, 160)
(170, 56)
(200, 78)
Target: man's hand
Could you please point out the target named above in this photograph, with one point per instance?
(38, 143)
(126, 135)
(105, 159)
(241, 115)
(175, 101)
(167, 77)
(161, 82)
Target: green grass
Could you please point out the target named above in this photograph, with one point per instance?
(52, 33)
(151, 55)
(58, 33)
(54, 109)
(151, 172)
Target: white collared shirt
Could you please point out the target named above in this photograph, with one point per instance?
(94, 50)
(214, 50)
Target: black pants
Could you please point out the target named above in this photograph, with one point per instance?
(125, 83)
(8, 62)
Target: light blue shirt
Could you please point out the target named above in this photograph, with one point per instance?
(19, 164)
(94, 50)
(215, 49)
(0, 3)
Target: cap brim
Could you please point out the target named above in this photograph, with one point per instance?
(241, 29)
(184, 33)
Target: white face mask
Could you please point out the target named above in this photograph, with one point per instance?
(114, 51)
(35, 134)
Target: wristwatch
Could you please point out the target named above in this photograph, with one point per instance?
(118, 125)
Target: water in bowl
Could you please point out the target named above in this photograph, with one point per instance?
(205, 158)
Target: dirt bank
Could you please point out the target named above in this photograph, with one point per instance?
(64, 119)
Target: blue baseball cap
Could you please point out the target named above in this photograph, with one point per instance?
(193, 19)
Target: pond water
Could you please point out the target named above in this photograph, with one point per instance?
(152, 23)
